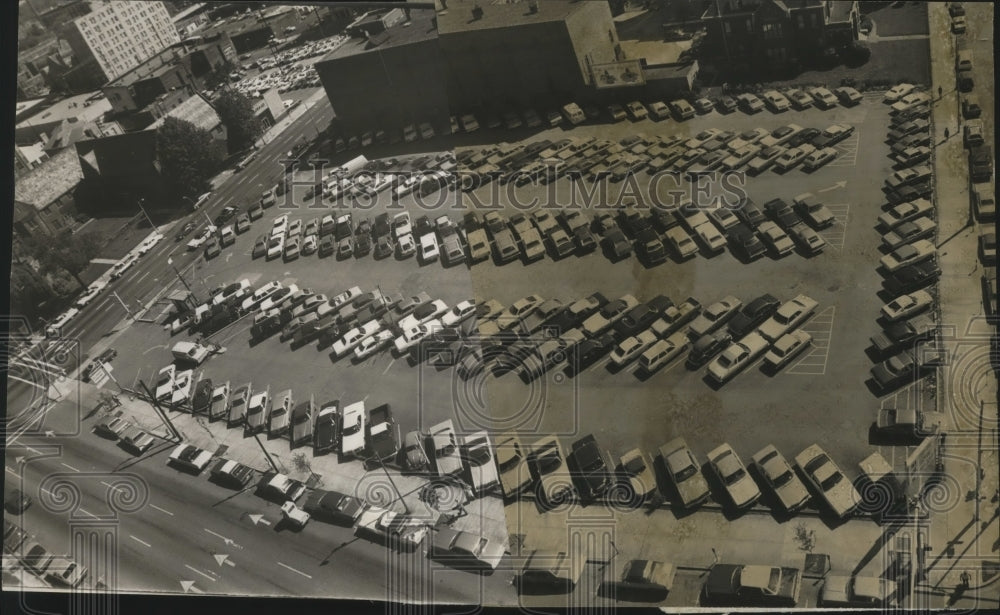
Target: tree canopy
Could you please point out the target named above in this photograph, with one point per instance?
(188, 157)
(235, 110)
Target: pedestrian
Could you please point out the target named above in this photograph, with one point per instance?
(947, 135)
(966, 579)
(940, 92)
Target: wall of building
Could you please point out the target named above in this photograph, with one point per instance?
(389, 87)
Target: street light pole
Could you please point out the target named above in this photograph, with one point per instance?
(170, 262)
(124, 305)
(143, 209)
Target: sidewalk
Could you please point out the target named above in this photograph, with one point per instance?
(964, 534)
(483, 516)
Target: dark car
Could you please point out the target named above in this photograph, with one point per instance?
(590, 469)
(650, 246)
(805, 135)
(212, 249)
(231, 473)
(16, 502)
(749, 213)
(905, 367)
(202, 400)
(904, 334)
(663, 220)
(635, 320)
(726, 104)
(782, 213)
(589, 352)
(616, 245)
(185, 231)
(706, 347)
(333, 507)
(746, 243)
(327, 246)
(584, 240)
(752, 315)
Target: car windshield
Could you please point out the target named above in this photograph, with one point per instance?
(783, 478)
(686, 473)
(832, 481)
(549, 463)
(635, 466)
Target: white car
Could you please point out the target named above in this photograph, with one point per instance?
(733, 475)
(824, 98)
(416, 333)
(825, 477)
(190, 458)
(401, 225)
(372, 344)
(277, 298)
(280, 225)
(790, 315)
(786, 348)
(818, 158)
(91, 292)
(897, 92)
(352, 429)
(428, 248)
(238, 288)
(345, 296)
(422, 314)
(776, 101)
(469, 123)
(275, 246)
(260, 295)
(632, 347)
(714, 316)
(906, 306)
(462, 311)
(710, 237)
(737, 357)
(148, 243)
(200, 239)
(123, 265)
(165, 382)
(353, 337)
(908, 254)
(182, 387)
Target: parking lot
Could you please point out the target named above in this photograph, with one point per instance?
(828, 378)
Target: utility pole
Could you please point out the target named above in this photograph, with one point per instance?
(170, 262)
(124, 305)
(143, 210)
(161, 413)
(392, 482)
(267, 455)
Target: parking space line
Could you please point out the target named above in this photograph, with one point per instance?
(388, 366)
(847, 151)
(836, 234)
(820, 327)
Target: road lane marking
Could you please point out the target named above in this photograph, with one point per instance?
(141, 278)
(66, 465)
(814, 362)
(37, 386)
(14, 472)
(142, 542)
(193, 569)
(229, 541)
(388, 366)
(293, 570)
(166, 512)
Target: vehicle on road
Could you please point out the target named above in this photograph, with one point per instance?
(752, 585)
(189, 458)
(857, 591)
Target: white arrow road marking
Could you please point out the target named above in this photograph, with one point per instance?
(166, 512)
(188, 587)
(293, 570)
(66, 465)
(840, 184)
(258, 519)
(222, 558)
(193, 569)
(142, 542)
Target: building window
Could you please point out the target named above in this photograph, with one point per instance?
(749, 24)
(728, 27)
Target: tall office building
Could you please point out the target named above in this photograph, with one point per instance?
(120, 35)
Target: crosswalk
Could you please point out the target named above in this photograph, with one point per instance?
(814, 362)
(836, 234)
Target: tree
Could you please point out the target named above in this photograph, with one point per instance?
(66, 252)
(219, 76)
(236, 112)
(188, 157)
(856, 54)
(29, 290)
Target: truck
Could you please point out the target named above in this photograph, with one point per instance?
(381, 436)
(190, 353)
(753, 585)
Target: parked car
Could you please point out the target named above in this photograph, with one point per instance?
(781, 479)
(733, 475)
(736, 358)
(685, 473)
(825, 477)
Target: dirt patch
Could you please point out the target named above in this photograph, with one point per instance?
(891, 62)
(900, 20)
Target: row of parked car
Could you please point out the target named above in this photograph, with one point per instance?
(909, 264)
(60, 571)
